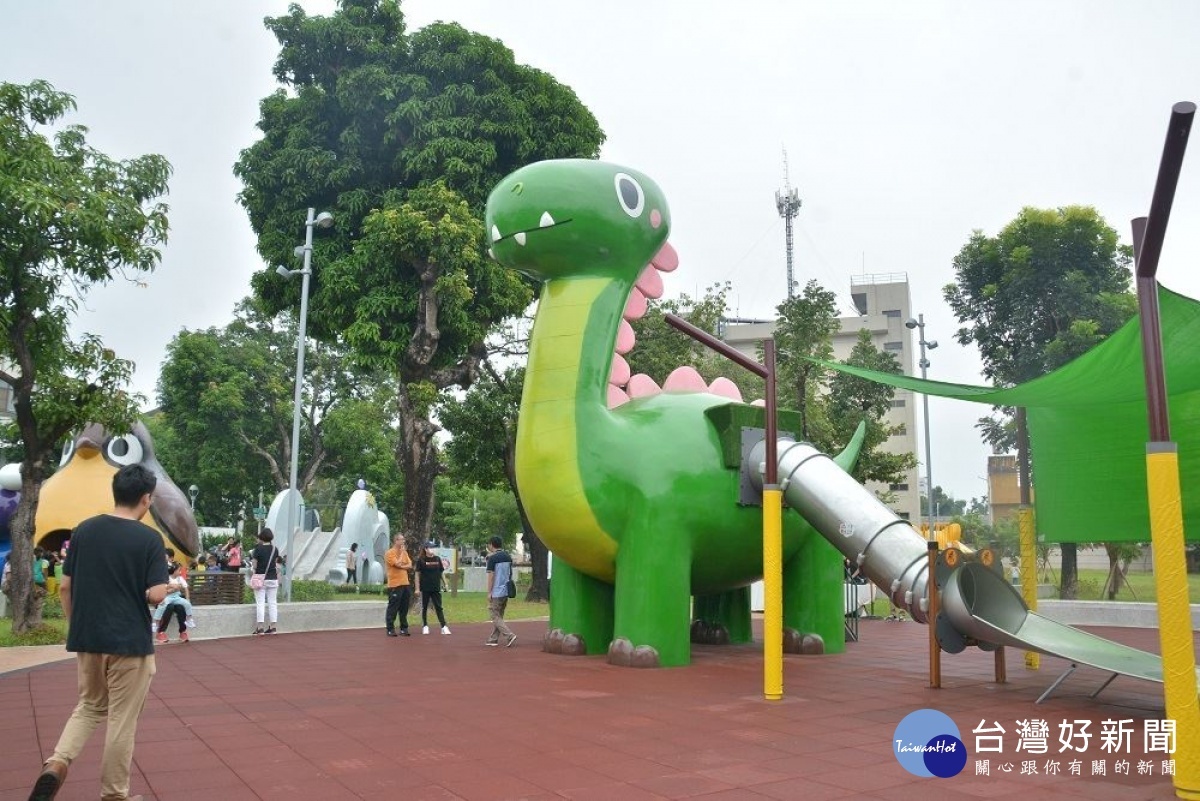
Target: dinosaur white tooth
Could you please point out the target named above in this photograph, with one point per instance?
(546, 220)
(492, 253)
(520, 238)
(496, 234)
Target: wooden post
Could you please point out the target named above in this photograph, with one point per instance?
(935, 650)
(1001, 667)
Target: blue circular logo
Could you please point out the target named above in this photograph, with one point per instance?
(927, 743)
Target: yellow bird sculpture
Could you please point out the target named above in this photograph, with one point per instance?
(82, 488)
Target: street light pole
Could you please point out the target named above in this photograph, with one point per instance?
(292, 517)
(919, 324)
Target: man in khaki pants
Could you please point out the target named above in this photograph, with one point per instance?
(116, 567)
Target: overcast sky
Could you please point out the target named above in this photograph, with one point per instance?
(907, 125)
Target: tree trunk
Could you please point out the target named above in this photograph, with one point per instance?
(1069, 579)
(1115, 571)
(539, 555)
(417, 458)
(539, 558)
(26, 603)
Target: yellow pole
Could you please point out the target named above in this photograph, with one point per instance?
(1174, 614)
(772, 593)
(1029, 577)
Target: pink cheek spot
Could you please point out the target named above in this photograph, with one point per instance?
(655, 218)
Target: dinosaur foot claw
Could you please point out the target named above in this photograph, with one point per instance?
(557, 641)
(796, 643)
(708, 633)
(623, 653)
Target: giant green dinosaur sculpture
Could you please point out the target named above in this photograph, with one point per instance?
(625, 482)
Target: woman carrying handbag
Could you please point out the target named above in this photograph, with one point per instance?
(265, 581)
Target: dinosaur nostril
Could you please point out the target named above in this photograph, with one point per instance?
(518, 188)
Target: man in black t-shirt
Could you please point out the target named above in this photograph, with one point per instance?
(115, 568)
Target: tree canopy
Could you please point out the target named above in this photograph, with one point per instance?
(660, 348)
(804, 331)
(70, 217)
(1050, 286)
(853, 400)
(400, 136)
(226, 400)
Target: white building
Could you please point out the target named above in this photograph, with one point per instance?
(883, 305)
(7, 408)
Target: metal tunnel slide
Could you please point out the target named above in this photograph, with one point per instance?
(977, 602)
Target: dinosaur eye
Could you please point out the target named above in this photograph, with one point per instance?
(124, 450)
(67, 452)
(630, 195)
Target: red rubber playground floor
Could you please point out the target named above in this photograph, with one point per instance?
(345, 715)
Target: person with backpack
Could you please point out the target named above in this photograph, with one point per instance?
(499, 579)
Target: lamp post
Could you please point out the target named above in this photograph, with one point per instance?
(193, 491)
(292, 516)
(919, 324)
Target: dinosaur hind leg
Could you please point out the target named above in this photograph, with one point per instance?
(581, 613)
(722, 618)
(813, 598)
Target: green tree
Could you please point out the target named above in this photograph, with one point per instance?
(482, 451)
(944, 505)
(227, 398)
(70, 217)
(660, 348)
(401, 136)
(804, 331)
(1052, 284)
(853, 400)
(469, 515)
(999, 430)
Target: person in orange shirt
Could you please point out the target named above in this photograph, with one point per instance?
(399, 588)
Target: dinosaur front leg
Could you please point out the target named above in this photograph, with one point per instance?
(653, 600)
(581, 612)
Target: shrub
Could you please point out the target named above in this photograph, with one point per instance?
(52, 608)
(312, 591)
(359, 589)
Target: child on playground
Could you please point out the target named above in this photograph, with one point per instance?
(176, 596)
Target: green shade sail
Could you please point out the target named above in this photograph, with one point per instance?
(1088, 428)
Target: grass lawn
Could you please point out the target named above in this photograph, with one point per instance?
(53, 632)
(1141, 588)
(466, 607)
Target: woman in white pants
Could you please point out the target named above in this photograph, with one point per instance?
(265, 582)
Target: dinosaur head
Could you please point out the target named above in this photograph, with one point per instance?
(555, 219)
